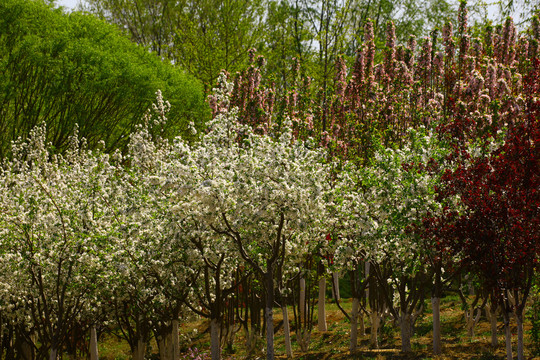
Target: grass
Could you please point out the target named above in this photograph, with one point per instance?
(334, 343)
(112, 348)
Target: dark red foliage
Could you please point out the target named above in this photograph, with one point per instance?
(498, 232)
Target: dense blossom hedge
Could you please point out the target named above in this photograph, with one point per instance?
(421, 171)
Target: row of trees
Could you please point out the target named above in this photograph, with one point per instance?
(207, 36)
(90, 240)
(469, 85)
(419, 166)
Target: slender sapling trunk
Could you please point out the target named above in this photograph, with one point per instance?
(520, 348)
(406, 333)
(354, 325)
(436, 307)
(335, 288)
(287, 331)
(215, 350)
(375, 322)
(436, 310)
(321, 305)
(140, 350)
(53, 353)
(491, 314)
(269, 313)
(362, 325)
(93, 344)
(302, 297)
(175, 340)
(508, 335)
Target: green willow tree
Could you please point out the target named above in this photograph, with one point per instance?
(68, 70)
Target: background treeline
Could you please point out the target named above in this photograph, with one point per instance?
(207, 36)
(66, 69)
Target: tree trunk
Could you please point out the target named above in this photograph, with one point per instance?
(508, 335)
(302, 298)
(287, 331)
(361, 324)
(215, 350)
(139, 351)
(93, 344)
(471, 286)
(519, 320)
(320, 305)
(354, 326)
(436, 307)
(406, 327)
(375, 322)
(175, 340)
(491, 313)
(269, 314)
(472, 316)
(162, 345)
(367, 269)
(27, 350)
(335, 288)
(303, 337)
(53, 353)
(251, 340)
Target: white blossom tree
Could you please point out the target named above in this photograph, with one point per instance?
(53, 239)
(262, 192)
(155, 260)
(380, 205)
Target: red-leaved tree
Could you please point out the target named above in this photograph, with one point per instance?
(498, 232)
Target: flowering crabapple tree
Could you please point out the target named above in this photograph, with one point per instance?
(263, 192)
(54, 229)
(387, 197)
(446, 264)
(212, 256)
(153, 253)
(216, 283)
(347, 249)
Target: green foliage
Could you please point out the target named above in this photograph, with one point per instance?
(75, 69)
(206, 36)
(318, 32)
(286, 38)
(211, 35)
